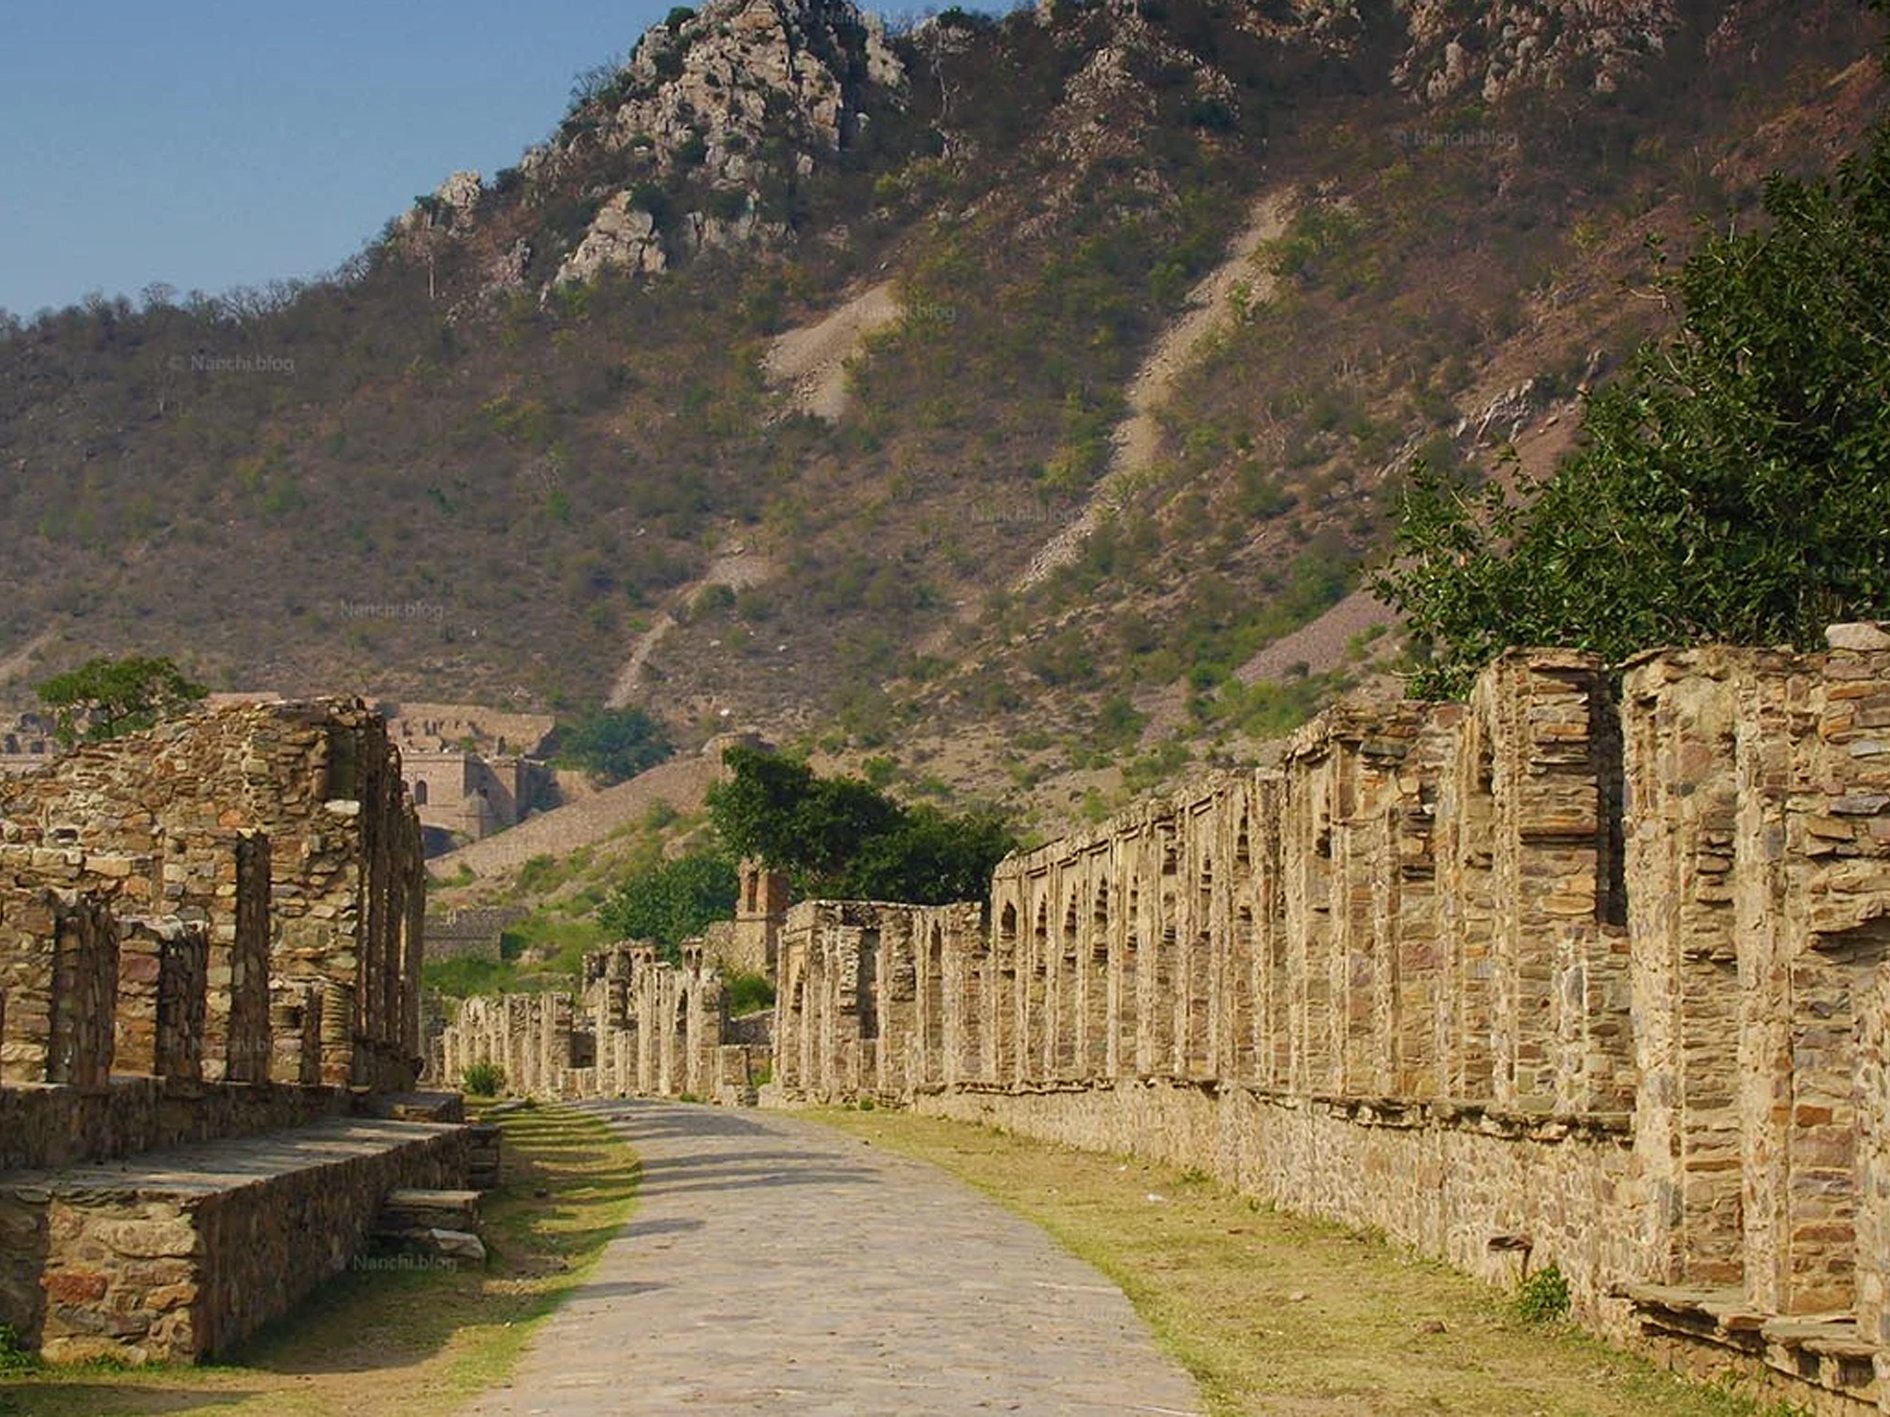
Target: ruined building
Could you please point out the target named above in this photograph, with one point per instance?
(472, 771)
(1592, 970)
(209, 967)
(642, 1027)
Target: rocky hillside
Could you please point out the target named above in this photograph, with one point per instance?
(1014, 402)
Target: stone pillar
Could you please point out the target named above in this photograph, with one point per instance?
(1309, 808)
(1195, 925)
(790, 1002)
(1161, 996)
(1813, 933)
(337, 1022)
(85, 988)
(932, 1004)
(1681, 778)
(162, 973)
(1098, 1050)
(898, 984)
(59, 967)
(1036, 1024)
(1001, 1000)
(246, 1045)
(1067, 953)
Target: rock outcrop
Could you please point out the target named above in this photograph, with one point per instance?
(730, 105)
(1489, 52)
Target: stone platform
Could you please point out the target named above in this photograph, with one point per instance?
(174, 1255)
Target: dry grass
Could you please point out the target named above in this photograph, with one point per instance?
(412, 1342)
(1277, 1314)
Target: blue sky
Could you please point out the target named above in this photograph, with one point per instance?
(210, 143)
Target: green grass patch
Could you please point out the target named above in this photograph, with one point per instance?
(1272, 1312)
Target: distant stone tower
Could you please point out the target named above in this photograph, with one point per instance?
(761, 905)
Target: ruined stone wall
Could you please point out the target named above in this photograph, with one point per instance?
(750, 942)
(476, 932)
(1596, 978)
(285, 831)
(42, 1127)
(642, 1027)
(211, 1248)
(162, 989)
(59, 973)
(861, 994)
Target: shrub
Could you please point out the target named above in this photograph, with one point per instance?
(748, 993)
(1543, 1297)
(483, 1079)
(14, 1356)
(613, 745)
(465, 975)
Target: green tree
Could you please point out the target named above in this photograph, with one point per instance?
(841, 838)
(933, 858)
(672, 901)
(1733, 485)
(108, 698)
(614, 745)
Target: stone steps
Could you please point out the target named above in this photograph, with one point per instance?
(482, 1156)
(440, 1210)
(431, 1226)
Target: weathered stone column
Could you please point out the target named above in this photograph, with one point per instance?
(1308, 809)
(1001, 993)
(932, 1009)
(1197, 972)
(1092, 962)
(1813, 934)
(1679, 720)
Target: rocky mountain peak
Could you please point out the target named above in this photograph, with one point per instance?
(713, 116)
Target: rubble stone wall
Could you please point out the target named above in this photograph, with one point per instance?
(204, 1256)
(864, 991)
(1596, 975)
(162, 989)
(44, 1127)
(59, 970)
(285, 831)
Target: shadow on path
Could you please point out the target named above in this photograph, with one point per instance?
(774, 1268)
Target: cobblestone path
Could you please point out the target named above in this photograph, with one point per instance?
(776, 1267)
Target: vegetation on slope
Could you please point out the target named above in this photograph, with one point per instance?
(412, 480)
(1733, 485)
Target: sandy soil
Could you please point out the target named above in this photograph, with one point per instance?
(810, 363)
(1138, 436)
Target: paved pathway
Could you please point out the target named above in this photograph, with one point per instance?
(774, 1266)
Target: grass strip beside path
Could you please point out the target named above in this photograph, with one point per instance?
(417, 1342)
(1277, 1314)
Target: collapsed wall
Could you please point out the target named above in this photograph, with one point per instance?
(1554, 975)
